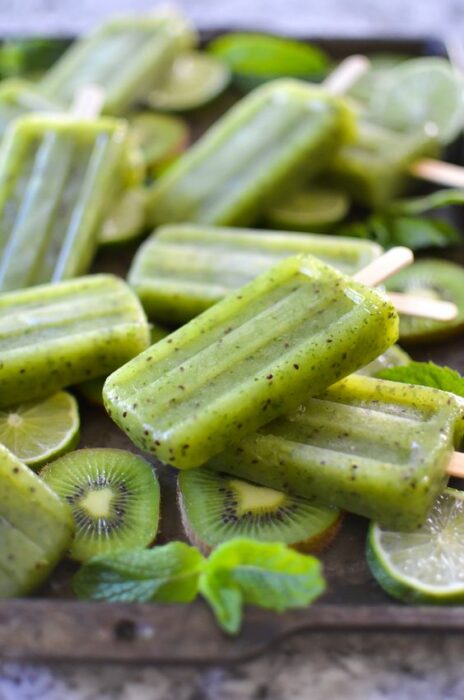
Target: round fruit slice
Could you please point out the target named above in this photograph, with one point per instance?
(216, 508)
(126, 218)
(311, 210)
(38, 431)
(431, 279)
(423, 566)
(159, 137)
(195, 79)
(114, 496)
(393, 357)
(423, 93)
(380, 66)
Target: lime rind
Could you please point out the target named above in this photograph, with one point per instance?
(195, 80)
(38, 431)
(426, 565)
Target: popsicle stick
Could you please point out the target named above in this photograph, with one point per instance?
(438, 172)
(456, 465)
(434, 309)
(346, 74)
(88, 102)
(385, 266)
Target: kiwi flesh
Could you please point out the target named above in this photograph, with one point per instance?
(114, 497)
(216, 507)
(433, 279)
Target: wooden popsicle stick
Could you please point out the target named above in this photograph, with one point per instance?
(88, 102)
(346, 74)
(456, 465)
(434, 309)
(385, 266)
(438, 172)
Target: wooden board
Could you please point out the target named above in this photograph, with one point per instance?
(56, 627)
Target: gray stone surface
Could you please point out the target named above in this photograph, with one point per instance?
(319, 667)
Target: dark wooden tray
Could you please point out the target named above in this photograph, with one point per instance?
(56, 627)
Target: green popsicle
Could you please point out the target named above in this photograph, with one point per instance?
(255, 355)
(57, 177)
(17, 98)
(35, 528)
(184, 269)
(60, 334)
(126, 57)
(273, 139)
(373, 169)
(370, 446)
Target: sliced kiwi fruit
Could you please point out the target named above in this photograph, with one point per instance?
(114, 497)
(431, 279)
(309, 210)
(216, 507)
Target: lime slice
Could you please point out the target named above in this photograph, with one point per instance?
(254, 58)
(310, 210)
(195, 79)
(39, 431)
(423, 566)
(126, 219)
(380, 66)
(424, 93)
(158, 137)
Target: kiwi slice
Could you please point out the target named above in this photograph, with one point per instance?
(432, 279)
(114, 497)
(216, 507)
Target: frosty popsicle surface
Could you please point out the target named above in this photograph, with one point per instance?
(126, 57)
(255, 355)
(55, 335)
(57, 176)
(183, 269)
(373, 447)
(277, 136)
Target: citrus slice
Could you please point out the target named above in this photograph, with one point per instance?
(195, 79)
(423, 566)
(423, 93)
(158, 137)
(126, 218)
(310, 210)
(39, 431)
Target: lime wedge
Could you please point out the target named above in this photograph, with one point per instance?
(423, 93)
(126, 218)
(424, 566)
(39, 431)
(195, 79)
(158, 137)
(310, 210)
(254, 58)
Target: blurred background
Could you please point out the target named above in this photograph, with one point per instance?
(352, 17)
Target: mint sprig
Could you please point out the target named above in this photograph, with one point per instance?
(415, 232)
(426, 374)
(238, 572)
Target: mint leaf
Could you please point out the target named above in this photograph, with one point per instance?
(167, 574)
(426, 374)
(413, 206)
(269, 575)
(412, 231)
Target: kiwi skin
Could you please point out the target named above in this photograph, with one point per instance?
(312, 545)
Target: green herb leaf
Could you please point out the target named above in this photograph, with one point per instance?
(269, 575)
(426, 374)
(267, 57)
(167, 574)
(412, 231)
(413, 206)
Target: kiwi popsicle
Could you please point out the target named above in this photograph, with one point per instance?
(57, 176)
(126, 57)
(373, 447)
(56, 335)
(18, 97)
(184, 269)
(36, 528)
(263, 147)
(296, 328)
(374, 168)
